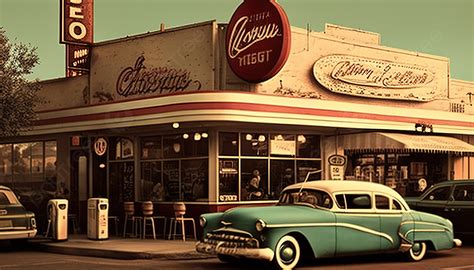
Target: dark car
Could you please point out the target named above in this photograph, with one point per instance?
(453, 200)
(16, 223)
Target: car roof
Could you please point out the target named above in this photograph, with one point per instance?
(335, 186)
(454, 182)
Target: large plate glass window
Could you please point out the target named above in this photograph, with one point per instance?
(254, 144)
(254, 179)
(228, 179)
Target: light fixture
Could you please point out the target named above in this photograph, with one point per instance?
(101, 165)
(248, 137)
(197, 136)
(261, 138)
(234, 142)
(279, 137)
(185, 136)
(175, 125)
(204, 135)
(301, 138)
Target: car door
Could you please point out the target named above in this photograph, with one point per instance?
(357, 224)
(435, 201)
(391, 216)
(12, 214)
(460, 208)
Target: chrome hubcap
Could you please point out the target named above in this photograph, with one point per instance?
(287, 253)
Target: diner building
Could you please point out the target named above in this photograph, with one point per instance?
(163, 117)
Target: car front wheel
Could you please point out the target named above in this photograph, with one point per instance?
(287, 253)
(417, 251)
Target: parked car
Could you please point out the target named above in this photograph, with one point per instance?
(450, 199)
(325, 218)
(16, 223)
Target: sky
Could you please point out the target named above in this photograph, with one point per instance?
(437, 27)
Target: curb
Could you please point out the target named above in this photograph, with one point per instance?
(124, 255)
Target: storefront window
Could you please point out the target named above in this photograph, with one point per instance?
(151, 186)
(308, 146)
(228, 144)
(5, 164)
(21, 163)
(172, 146)
(194, 179)
(171, 180)
(306, 166)
(37, 162)
(282, 145)
(268, 163)
(254, 179)
(120, 148)
(151, 147)
(50, 151)
(282, 174)
(228, 180)
(196, 145)
(254, 144)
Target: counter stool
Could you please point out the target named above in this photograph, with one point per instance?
(147, 211)
(129, 210)
(179, 212)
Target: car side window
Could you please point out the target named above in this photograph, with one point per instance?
(382, 202)
(439, 194)
(358, 201)
(4, 199)
(396, 205)
(464, 193)
(340, 201)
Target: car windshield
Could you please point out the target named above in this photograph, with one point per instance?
(7, 197)
(308, 197)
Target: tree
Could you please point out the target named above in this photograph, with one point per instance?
(17, 94)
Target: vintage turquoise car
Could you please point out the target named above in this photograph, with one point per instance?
(321, 219)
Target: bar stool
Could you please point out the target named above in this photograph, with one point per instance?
(129, 210)
(179, 212)
(147, 211)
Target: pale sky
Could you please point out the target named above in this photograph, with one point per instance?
(438, 27)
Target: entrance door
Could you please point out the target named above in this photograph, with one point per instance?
(79, 185)
(121, 185)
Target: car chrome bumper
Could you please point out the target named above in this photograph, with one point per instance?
(457, 242)
(252, 253)
(6, 235)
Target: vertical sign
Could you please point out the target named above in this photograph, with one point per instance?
(76, 21)
(77, 59)
(258, 40)
(336, 166)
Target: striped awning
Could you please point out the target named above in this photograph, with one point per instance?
(379, 142)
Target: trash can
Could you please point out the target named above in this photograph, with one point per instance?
(57, 218)
(97, 218)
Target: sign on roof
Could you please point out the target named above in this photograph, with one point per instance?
(258, 40)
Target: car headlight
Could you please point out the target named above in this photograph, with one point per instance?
(202, 221)
(260, 225)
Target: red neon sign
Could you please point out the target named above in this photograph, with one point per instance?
(258, 40)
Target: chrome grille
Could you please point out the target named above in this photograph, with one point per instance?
(231, 240)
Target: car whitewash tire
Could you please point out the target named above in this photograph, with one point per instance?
(417, 251)
(287, 253)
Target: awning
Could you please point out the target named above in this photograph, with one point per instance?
(379, 142)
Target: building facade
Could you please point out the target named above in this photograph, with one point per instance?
(163, 117)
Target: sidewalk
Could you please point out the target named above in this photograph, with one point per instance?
(123, 248)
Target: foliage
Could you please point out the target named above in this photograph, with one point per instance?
(17, 94)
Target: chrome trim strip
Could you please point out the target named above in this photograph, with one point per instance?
(346, 225)
(425, 223)
(17, 235)
(422, 230)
